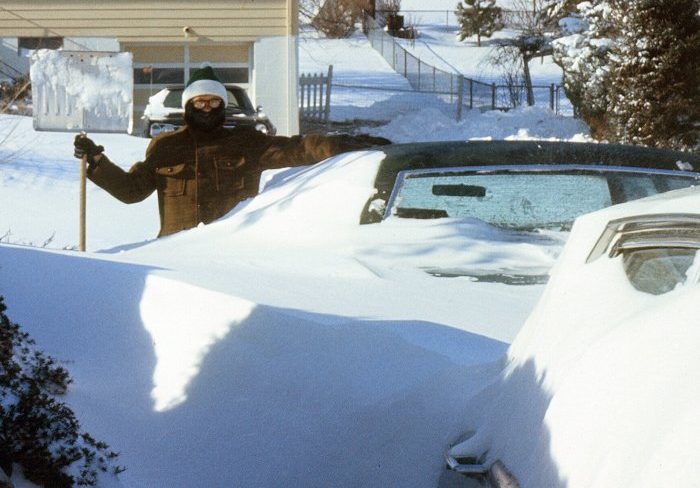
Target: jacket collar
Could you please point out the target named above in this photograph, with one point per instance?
(205, 135)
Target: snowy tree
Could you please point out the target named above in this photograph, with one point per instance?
(584, 54)
(515, 53)
(632, 70)
(478, 17)
(655, 73)
(551, 12)
(335, 18)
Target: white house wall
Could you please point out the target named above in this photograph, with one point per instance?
(275, 73)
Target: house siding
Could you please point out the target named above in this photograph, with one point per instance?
(132, 20)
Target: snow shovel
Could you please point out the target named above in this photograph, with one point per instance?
(82, 91)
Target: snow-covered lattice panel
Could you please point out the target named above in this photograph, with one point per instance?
(88, 91)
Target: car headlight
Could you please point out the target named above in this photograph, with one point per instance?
(261, 128)
(158, 128)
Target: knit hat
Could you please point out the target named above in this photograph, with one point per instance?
(204, 81)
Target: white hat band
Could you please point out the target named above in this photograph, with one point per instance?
(204, 87)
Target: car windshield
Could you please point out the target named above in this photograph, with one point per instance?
(523, 199)
(237, 98)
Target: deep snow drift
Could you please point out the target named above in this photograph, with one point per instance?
(248, 344)
(250, 353)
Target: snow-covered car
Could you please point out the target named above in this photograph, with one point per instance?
(533, 189)
(271, 346)
(164, 112)
(601, 386)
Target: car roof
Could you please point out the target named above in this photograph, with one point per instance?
(425, 155)
(485, 153)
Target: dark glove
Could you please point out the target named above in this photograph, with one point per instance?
(359, 142)
(84, 146)
(371, 140)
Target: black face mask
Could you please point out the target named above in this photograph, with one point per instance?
(204, 121)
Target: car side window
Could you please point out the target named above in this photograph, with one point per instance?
(658, 251)
(659, 270)
(636, 186)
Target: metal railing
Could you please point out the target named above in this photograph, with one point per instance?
(454, 87)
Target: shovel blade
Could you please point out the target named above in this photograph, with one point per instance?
(89, 91)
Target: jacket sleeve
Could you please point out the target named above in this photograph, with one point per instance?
(282, 152)
(129, 187)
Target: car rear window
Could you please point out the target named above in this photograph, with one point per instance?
(508, 200)
(173, 99)
(522, 198)
(238, 98)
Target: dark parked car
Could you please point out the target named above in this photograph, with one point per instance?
(164, 112)
(523, 185)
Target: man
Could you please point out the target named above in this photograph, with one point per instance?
(202, 170)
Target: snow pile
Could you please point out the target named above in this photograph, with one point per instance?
(602, 385)
(207, 368)
(526, 123)
(96, 89)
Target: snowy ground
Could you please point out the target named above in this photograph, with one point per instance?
(248, 352)
(355, 63)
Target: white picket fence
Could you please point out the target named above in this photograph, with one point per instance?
(315, 96)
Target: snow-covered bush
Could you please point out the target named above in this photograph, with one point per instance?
(38, 432)
(584, 55)
(655, 73)
(632, 70)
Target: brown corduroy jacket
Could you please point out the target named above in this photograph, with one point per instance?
(199, 177)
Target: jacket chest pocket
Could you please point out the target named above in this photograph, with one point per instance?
(229, 174)
(172, 180)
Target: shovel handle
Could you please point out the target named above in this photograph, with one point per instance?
(83, 206)
(83, 178)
